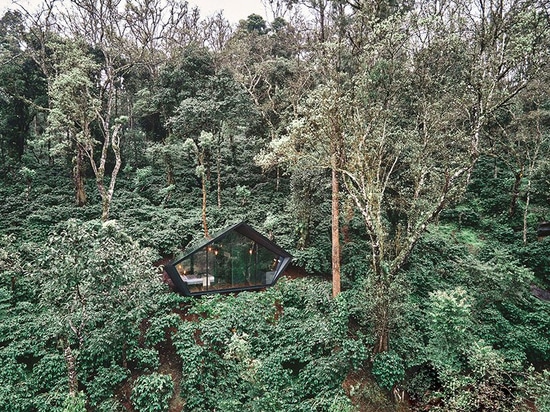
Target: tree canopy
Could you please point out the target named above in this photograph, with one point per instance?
(398, 149)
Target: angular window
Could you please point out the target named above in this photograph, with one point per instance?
(239, 258)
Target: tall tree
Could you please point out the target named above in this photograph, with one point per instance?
(199, 151)
(280, 100)
(416, 154)
(95, 287)
(99, 24)
(74, 106)
(22, 86)
(315, 141)
(410, 119)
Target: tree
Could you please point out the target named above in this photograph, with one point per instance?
(406, 171)
(200, 152)
(22, 88)
(407, 127)
(99, 25)
(95, 283)
(315, 141)
(520, 142)
(283, 100)
(74, 107)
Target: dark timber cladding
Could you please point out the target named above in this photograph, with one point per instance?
(238, 258)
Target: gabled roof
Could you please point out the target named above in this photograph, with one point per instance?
(242, 265)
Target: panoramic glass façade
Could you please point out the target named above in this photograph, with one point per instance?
(239, 258)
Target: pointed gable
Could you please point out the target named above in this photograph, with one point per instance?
(238, 258)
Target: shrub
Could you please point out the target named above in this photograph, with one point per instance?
(152, 393)
(388, 369)
(75, 403)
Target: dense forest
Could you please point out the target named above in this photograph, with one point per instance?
(398, 149)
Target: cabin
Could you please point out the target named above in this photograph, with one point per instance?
(238, 258)
(543, 230)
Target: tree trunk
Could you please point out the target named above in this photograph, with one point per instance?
(526, 211)
(78, 168)
(322, 35)
(115, 144)
(382, 305)
(218, 171)
(71, 370)
(515, 193)
(170, 180)
(204, 221)
(335, 233)
(382, 335)
(112, 140)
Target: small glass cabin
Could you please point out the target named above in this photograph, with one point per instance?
(239, 258)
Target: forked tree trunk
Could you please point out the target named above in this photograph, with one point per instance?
(112, 140)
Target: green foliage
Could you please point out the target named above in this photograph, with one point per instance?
(75, 403)
(158, 326)
(284, 349)
(88, 287)
(537, 387)
(402, 113)
(312, 259)
(147, 359)
(50, 373)
(476, 328)
(105, 381)
(388, 369)
(242, 193)
(151, 393)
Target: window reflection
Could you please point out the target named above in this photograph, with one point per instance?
(233, 261)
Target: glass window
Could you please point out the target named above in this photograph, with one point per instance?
(232, 261)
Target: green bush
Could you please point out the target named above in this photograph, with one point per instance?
(388, 369)
(146, 359)
(285, 349)
(105, 382)
(152, 393)
(75, 403)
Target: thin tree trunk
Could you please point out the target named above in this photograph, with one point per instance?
(515, 192)
(526, 211)
(118, 162)
(218, 171)
(170, 180)
(78, 168)
(51, 161)
(204, 221)
(383, 333)
(532, 163)
(112, 139)
(335, 233)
